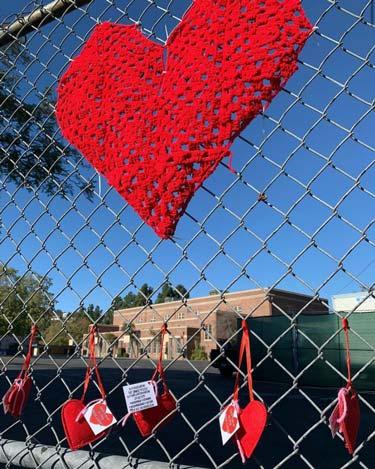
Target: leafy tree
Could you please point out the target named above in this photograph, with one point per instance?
(56, 334)
(23, 299)
(169, 293)
(129, 300)
(32, 153)
(143, 297)
(117, 303)
(94, 312)
(76, 326)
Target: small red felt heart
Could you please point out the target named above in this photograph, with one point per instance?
(253, 419)
(147, 420)
(15, 399)
(78, 433)
(350, 425)
(157, 131)
(230, 419)
(99, 415)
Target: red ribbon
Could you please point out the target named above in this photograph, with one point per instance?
(244, 349)
(26, 363)
(92, 365)
(159, 367)
(345, 326)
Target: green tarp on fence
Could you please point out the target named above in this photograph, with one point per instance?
(313, 348)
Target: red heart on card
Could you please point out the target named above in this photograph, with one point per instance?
(15, 399)
(78, 432)
(253, 419)
(156, 121)
(99, 415)
(230, 419)
(146, 420)
(350, 425)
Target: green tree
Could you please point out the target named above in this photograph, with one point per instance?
(56, 334)
(75, 326)
(143, 297)
(117, 303)
(129, 300)
(24, 299)
(169, 293)
(94, 312)
(32, 153)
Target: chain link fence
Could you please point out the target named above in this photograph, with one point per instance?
(296, 216)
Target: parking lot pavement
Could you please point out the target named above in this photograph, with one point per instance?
(199, 440)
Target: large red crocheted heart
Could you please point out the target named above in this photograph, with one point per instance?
(78, 433)
(156, 121)
(253, 419)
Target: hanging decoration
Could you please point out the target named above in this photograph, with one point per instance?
(245, 425)
(154, 418)
(85, 423)
(345, 417)
(156, 121)
(16, 398)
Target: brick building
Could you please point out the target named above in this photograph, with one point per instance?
(218, 316)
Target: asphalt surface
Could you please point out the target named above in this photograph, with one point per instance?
(293, 415)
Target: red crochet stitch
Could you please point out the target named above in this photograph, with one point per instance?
(156, 121)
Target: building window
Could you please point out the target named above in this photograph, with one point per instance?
(238, 309)
(181, 315)
(208, 332)
(153, 316)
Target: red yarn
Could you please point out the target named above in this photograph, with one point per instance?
(156, 131)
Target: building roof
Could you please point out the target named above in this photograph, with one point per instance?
(228, 295)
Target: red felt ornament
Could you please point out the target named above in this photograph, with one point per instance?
(345, 417)
(15, 399)
(154, 418)
(156, 121)
(253, 417)
(77, 430)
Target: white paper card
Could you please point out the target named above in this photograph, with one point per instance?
(229, 422)
(99, 417)
(140, 396)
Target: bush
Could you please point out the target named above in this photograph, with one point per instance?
(198, 353)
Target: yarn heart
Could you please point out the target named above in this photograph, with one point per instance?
(99, 415)
(156, 121)
(253, 419)
(77, 430)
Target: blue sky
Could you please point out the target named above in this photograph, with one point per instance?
(95, 250)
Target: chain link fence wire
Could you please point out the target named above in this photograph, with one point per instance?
(297, 215)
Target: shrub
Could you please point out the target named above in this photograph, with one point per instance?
(198, 353)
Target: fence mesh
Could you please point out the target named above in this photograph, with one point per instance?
(297, 215)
